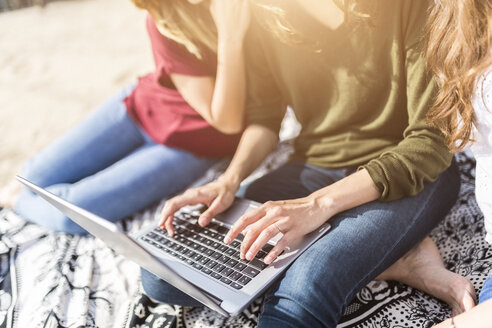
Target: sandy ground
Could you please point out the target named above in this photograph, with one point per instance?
(57, 64)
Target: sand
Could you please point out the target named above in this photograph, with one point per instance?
(59, 62)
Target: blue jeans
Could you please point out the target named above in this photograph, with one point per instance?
(363, 242)
(107, 165)
(486, 291)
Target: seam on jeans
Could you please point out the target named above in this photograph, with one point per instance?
(392, 248)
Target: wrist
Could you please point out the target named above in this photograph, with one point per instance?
(322, 203)
(230, 41)
(352, 191)
(231, 181)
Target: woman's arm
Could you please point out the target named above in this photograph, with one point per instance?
(221, 101)
(289, 216)
(256, 143)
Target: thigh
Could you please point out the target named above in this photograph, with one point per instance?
(144, 177)
(292, 180)
(363, 242)
(104, 137)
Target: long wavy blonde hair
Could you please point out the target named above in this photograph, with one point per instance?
(192, 26)
(458, 50)
(188, 24)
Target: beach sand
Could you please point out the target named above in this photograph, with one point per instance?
(59, 62)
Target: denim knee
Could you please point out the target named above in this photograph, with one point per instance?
(36, 210)
(308, 295)
(65, 224)
(288, 313)
(52, 220)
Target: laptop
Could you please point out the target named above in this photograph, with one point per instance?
(195, 260)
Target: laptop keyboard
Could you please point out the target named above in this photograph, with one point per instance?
(203, 248)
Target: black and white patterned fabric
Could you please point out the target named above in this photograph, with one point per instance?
(52, 279)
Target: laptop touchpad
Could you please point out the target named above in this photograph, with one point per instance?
(237, 209)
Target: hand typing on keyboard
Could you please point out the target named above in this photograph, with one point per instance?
(292, 218)
(217, 195)
(203, 249)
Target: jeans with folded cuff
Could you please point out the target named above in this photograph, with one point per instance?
(107, 165)
(362, 243)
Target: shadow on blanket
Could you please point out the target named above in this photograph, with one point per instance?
(56, 280)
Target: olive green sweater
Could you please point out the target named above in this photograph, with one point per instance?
(360, 92)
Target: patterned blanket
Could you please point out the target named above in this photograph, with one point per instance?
(52, 279)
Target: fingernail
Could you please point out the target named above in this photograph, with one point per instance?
(268, 259)
(227, 239)
(249, 256)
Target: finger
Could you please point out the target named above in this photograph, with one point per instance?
(167, 214)
(243, 222)
(278, 249)
(170, 207)
(190, 197)
(169, 226)
(263, 238)
(218, 205)
(256, 229)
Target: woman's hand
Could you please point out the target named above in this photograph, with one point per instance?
(217, 195)
(293, 218)
(232, 18)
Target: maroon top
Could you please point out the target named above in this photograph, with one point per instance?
(161, 111)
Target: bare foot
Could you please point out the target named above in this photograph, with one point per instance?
(423, 268)
(9, 194)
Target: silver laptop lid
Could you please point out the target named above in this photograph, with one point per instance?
(124, 245)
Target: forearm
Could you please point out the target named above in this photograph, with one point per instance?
(349, 192)
(232, 20)
(296, 217)
(255, 145)
(220, 100)
(227, 107)
(477, 317)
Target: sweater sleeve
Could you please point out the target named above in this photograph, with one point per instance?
(422, 154)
